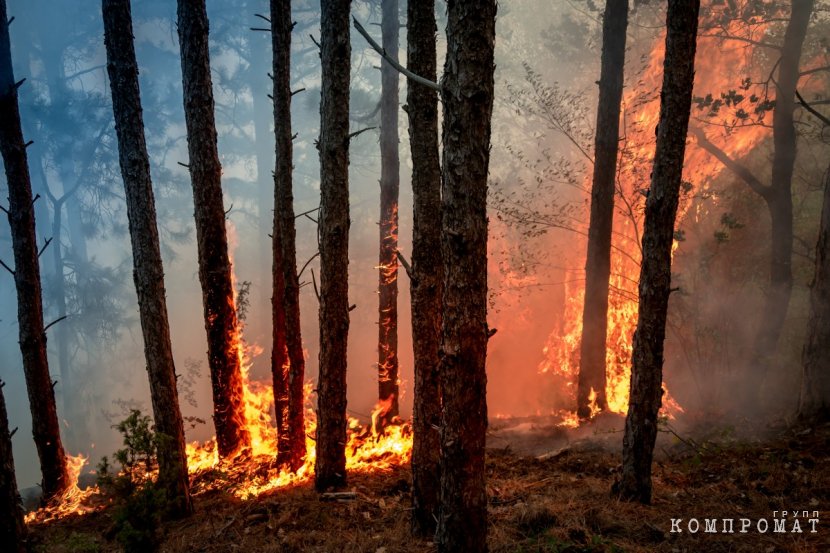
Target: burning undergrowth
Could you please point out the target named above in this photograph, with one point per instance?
(537, 502)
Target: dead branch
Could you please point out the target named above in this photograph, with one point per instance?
(406, 266)
(400, 68)
(314, 282)
(56, 321)
(312, 258)
(6, 267)
(314, 40)
(45, 245)
(338, 496)
(266, 18)
(306, 212)
(361, 131)
(823, 118)
(293, 92)
(745, 174)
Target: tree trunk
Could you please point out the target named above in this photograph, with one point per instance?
(815, 383)
(45, 427)
(779, 197)
(333, 238)
(427, 266)
(12, 528)
(658, 234)
(286, 300)
(389, 185)
(598, 264)
(467, 93)
(148, 273)
(214, 264)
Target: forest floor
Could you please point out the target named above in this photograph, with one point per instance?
(549, 492)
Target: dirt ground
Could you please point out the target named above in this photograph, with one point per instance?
(549, 492)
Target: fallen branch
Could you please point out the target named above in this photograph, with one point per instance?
(338, 496)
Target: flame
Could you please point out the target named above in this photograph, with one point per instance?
(73, 501)
(253, 471)
(641, 113)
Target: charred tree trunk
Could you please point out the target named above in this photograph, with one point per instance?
(815, 383)
(148, 273)
(333, 238)
(45, 427)
(12, 528)
(779, 194)
(389, 186)
(215, 275)
(467, 93)
(598, 264)
(291, 363)
(658, 233)
(427, 266)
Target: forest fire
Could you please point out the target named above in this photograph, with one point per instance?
(640, 119)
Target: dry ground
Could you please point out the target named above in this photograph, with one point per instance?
(548, 489)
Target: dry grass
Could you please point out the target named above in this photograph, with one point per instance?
(557, 504)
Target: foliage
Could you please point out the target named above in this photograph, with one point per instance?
(139, 505)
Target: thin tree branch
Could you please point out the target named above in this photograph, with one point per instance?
(56, 321)
(314, 282)
(361, 131)
(9, 269)
(306, 212)
(823, 118)
(742, 39)
(312, 258)
(400, 68)
(740, 170)
(406, 266)
(45, 245)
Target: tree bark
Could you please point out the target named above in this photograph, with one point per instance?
(779, 196)
(815, 384)
(45, 427)
(290, 363)
(12, 529)
(389, 186)
(148, 272)
(598, 264)
(467, 93)
(427, 265)
(658, 234)
(215, 275)
(333, 238)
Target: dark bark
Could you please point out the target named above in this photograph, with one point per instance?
(598, 264)
(779, 196)
(427, 266)
(333, 239)
(45, 427)
(389, 186)
(658, 234)
(215, 275)
(148, 272)
(815, 384)
(467, 93)
(12, 529)
(288, 361)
